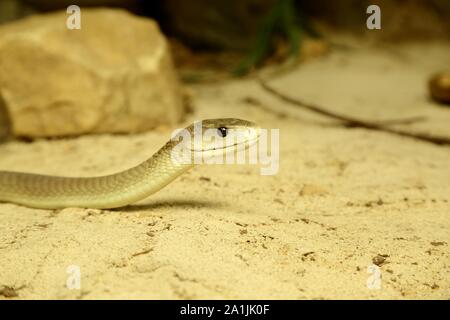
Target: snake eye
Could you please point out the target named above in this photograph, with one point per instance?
(222, 131)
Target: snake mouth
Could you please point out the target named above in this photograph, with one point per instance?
(246, 144)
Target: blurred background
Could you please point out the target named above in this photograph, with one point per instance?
(208, 41)
(233, 26)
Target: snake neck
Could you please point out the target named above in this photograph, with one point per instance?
(159, 170)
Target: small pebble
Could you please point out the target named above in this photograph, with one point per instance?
(439, 86)
(379, 259)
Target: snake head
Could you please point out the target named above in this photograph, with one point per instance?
(214, 138)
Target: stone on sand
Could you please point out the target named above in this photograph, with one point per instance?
(113, 75)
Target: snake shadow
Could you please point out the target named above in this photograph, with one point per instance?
(171, 204)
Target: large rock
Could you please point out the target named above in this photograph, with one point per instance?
(113, 75)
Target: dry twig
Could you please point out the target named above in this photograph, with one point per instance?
(353, 122)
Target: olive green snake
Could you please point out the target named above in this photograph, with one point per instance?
(125, 187)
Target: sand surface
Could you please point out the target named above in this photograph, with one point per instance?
(342, 199)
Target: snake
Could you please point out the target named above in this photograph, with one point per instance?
(133, 184)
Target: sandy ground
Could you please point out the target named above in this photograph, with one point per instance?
(342, 199)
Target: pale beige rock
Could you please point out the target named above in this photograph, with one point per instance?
(113, 75)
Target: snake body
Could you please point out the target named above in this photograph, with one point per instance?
(110, 191)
